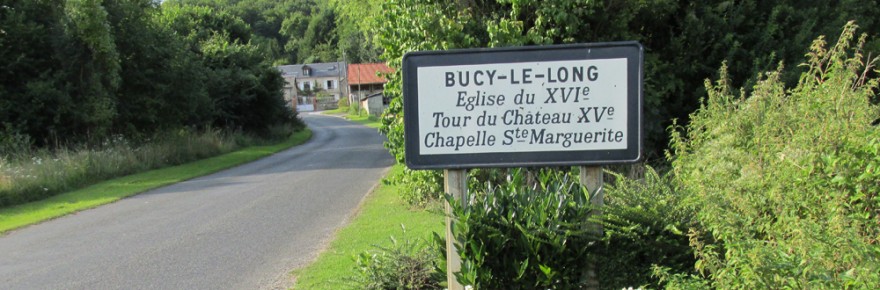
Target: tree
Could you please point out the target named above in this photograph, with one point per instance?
(32, 84)
(280, 27)
(163, 81)
(318, 43)
(355, 29)
(61, 70)
(79, 70)
(244, 88)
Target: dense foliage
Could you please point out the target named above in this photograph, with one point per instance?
(645, 225)
(304, 31)
(771, 189)
(77, 75)
(772, 185)
(685, 41)
(83, 70)
(512, 236)
(537, 230)
(785, 181)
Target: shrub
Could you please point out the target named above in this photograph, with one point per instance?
(532, 229)
(786, 181)
(512, 236)
(14, 145)
(404, 265)
(644, 228)
(342, 103)
(419, 187)
(354, 108)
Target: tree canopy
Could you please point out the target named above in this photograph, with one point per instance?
(80, 70)
(305, 31)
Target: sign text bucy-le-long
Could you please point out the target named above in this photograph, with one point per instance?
(535, 106)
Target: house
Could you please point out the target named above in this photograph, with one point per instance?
(366, 84)
(314, 86)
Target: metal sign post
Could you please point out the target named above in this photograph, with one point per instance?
(455, 184)
(557, 105)
(591, 177)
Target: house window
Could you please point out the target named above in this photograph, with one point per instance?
(329, 84)
(307, 71)
(307, 86)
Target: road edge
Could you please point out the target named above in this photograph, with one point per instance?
(287, 279)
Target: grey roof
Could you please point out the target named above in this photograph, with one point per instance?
(324, 69)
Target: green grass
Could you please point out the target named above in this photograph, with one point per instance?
(336, 111)
(115, 189)
(363, 119)
(366, 120)
(380, 217)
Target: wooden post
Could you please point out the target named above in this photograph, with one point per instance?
(455, 183)
(591, 177)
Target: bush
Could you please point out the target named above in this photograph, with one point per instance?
(786, 181)
(353, 109)
(406, 265)
(419, 187)
(513, 236)
(342, 103)
(532, 229)
(644, 228)
(14, 145)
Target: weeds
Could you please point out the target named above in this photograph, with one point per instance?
(405, 264)
(28, 175)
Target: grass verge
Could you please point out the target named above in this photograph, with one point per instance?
(336, 111)
(115, 189)
(363, 119)
(379, 218)
(366, 120)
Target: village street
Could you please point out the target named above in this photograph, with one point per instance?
(242, 228)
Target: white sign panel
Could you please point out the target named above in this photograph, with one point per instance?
(528, 106)
(523, 107)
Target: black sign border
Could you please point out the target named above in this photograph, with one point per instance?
(631, 50)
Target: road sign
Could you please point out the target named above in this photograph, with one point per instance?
(577, 104)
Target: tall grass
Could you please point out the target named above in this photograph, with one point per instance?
(28, 175)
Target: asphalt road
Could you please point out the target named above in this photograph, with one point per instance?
(243, 228)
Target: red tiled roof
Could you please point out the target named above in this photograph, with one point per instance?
(367, 73)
